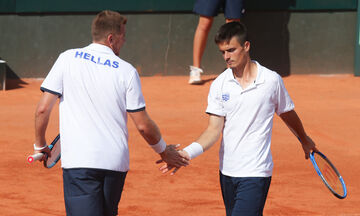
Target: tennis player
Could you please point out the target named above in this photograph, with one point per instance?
(97, 89)
(241, 106)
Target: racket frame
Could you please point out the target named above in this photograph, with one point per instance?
(53, 143)
(313, 161)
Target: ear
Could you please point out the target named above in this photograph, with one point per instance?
(109, 38)
(247, 46)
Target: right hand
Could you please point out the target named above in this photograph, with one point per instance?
(308, 146)
(173, 158)
(46, 151)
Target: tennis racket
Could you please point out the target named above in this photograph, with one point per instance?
(329, 174)
(55, 154)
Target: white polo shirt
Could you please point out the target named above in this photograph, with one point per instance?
(245, 146)
(96, 89)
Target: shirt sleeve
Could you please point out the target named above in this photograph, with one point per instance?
(284, 102)
(134, 98)
(215, 104)
(53, 82)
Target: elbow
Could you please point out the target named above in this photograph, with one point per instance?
(41, 110)
(142, 128)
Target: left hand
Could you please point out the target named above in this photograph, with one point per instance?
(173, 158)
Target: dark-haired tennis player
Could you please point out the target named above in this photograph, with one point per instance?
(97, 90)
(241, 106)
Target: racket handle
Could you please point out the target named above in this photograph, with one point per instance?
(35, 157)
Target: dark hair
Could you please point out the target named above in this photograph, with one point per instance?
(229, 30)
(105, 23)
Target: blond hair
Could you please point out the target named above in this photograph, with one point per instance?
(105, 23)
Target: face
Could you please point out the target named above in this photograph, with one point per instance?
(117, 41)
(234, 54)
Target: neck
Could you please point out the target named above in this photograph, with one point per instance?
(105, 43)
(246, 75)
(246, 71)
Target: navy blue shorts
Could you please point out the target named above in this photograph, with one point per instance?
(233, 9)
(92, 192)
(244, 195)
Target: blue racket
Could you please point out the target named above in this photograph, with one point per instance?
(49, 162)
(329, 174)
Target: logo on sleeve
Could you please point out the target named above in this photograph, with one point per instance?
(225, 97)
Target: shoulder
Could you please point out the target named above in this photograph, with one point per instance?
(71, 52)
(66, 53)
(124, 64)
(219, 81)
(270, 75)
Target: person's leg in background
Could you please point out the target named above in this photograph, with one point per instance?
(199, 44)
(234, 10)
(207, 10)
(232, 20)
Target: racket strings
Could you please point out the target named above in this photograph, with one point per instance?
(330, 175)
(55, 154)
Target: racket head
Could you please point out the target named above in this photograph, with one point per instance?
(329, 174)
(55, 148)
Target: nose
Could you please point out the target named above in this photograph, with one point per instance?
(226, 55)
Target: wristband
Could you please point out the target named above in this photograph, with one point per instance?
(39, 148)
(159, 147)
(194, 150)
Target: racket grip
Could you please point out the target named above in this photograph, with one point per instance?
(35, 157)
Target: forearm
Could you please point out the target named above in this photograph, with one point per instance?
(208, 138)
(42, 115)
(203, 143)
(41, 123)
(294, 123)
(150, 132)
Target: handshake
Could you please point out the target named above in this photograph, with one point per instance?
(175, 158)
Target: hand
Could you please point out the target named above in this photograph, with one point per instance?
(173, 158)
(166, 167)
(46, 151)
(308, 145)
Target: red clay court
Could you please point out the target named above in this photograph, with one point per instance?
(329, 107)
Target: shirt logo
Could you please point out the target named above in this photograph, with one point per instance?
(226, 97)
(96, 60)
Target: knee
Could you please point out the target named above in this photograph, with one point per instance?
(205, 24)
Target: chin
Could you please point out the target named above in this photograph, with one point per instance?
(232, 66)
